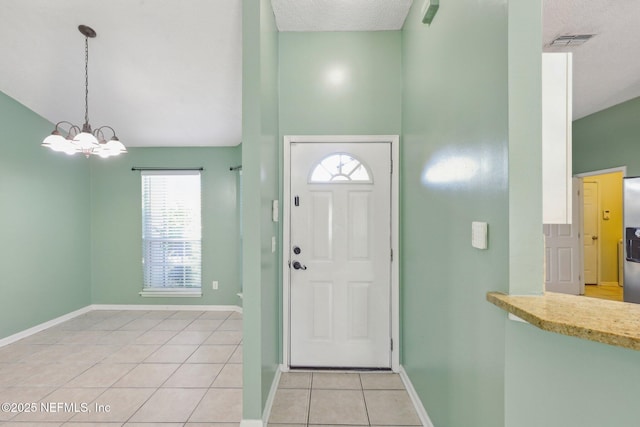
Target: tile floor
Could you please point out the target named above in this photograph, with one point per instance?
(169, 369)
(324, 398)
(131, 368)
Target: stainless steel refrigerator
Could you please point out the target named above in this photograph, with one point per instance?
(631, 226)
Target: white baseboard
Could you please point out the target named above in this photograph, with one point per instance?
(42, 326)
(166, 307)
(46, 325)
(272, 395)
(268, 404)
(415, 399)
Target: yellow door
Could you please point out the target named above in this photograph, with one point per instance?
(590, 233)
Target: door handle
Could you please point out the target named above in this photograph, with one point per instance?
(594, 237)
(298, 266)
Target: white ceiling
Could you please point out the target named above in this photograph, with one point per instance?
(606, 69)
(169, 73)
(161, 72)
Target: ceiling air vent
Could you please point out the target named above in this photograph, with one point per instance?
(571, 40)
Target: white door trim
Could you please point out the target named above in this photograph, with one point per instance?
(394, 140)
(583, 175)
(622, 169)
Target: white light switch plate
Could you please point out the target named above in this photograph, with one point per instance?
(479, 235)
(275, 211)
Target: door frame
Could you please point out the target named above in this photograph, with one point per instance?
(582, 176)
(394, 140)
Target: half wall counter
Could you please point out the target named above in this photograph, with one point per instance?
(609, 322)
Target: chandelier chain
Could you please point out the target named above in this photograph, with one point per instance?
(86, 79)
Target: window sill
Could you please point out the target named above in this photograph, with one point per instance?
(171, 293)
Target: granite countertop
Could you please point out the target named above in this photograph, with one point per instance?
(609, 322)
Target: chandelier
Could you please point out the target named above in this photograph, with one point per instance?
(84, 140)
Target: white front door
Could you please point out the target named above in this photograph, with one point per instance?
(590, 241)
(562, 245)
(340, 255)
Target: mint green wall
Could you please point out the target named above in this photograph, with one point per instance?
(366, 102)
(269, 191)
(44, 224)
(550, 379)
(62, 213)
(270, 111)
(116, 229)
(525, 149)
(558, 381)
(455, 171)
(608, 139)
(260, 168)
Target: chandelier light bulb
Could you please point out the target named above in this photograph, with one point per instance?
(104, 153)
(85, 141)
(61, 144)
(53, 139)
(116, 147)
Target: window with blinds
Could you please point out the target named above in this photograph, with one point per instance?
(171, 230)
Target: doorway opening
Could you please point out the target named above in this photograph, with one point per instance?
(602, 213)
(340, 252)
(584, 257)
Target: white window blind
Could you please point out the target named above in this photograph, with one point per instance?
(171, 230)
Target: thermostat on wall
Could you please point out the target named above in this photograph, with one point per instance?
(479, 235)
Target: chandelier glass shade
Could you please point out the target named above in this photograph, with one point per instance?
(85, 140)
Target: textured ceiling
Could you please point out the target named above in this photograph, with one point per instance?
(161, 72)
(606, 69)
(340, 15)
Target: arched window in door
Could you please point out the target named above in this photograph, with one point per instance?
(340, 167)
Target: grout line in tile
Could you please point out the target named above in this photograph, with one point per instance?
(199, 402)
(310, 397)
(141, 405)
(118, 346)
(364, 399)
